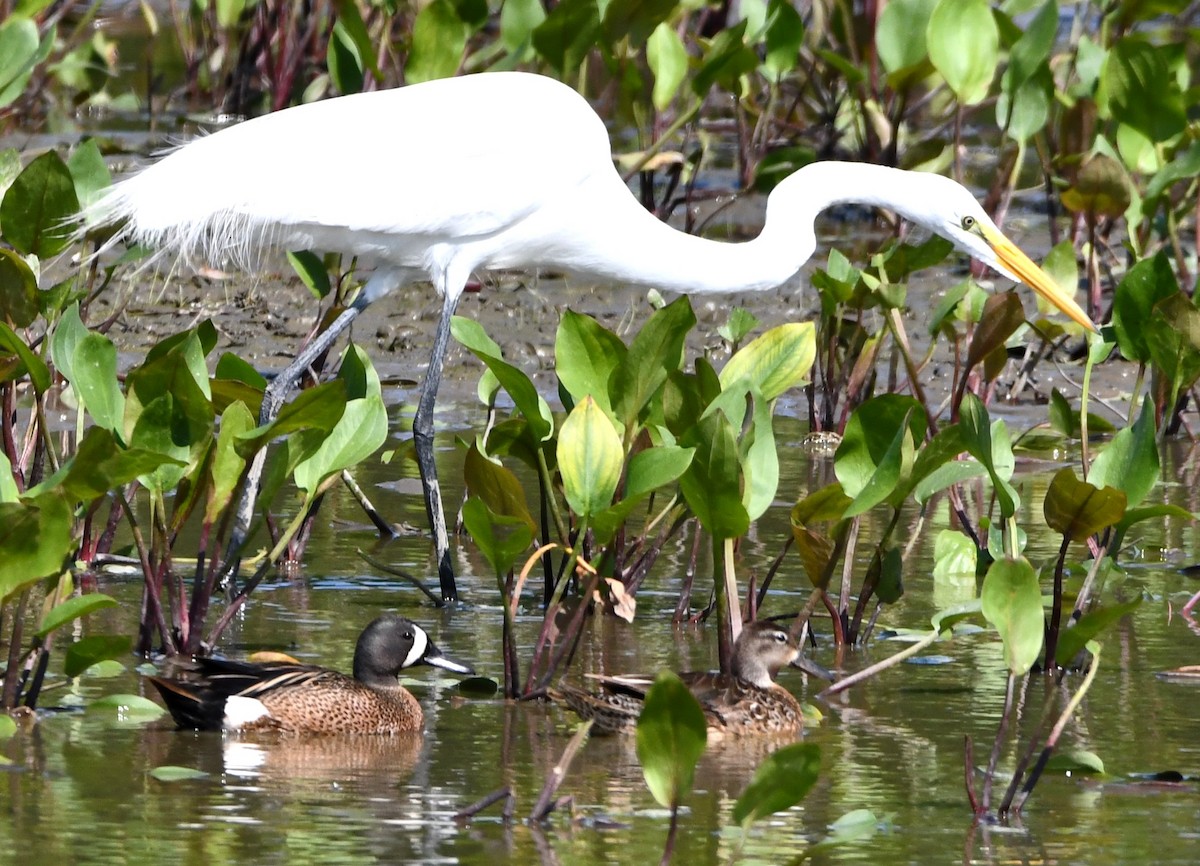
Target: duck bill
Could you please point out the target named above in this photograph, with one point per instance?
(813, 669)
(1025, 270)
(433, 656)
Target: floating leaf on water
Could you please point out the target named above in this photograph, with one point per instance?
(128, 708)
(854, 826)
(104, 669)
(1075, 761)
(930, 660)
(170, 773)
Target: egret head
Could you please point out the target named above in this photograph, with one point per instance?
(952, 212)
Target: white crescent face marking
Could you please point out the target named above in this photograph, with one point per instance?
(420, 644)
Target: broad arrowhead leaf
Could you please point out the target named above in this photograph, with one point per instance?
(1078, 509)
(589, 458)
(781, 781)
(672, 734)
(1011, 600)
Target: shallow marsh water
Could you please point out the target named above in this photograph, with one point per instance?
(79, 788)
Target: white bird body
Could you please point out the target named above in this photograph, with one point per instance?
(448, 178)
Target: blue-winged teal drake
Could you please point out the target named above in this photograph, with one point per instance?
(294, 698)
(745, 701)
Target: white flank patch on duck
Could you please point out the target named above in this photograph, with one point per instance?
(420, 644)
(240, 712)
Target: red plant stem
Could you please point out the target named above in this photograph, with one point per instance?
(1056, 607)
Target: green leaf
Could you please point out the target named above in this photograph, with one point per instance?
(784, 39)
(501, 539)
(359, 433)
(1130, 463)
(1143, 286)
(439, 40)
(1002, 315)
(1090, 626)
(69, 332)
(589, 458)
(94, 367)
(1075, 761)
(85, 652)
(672, 734)
(168, 773)
(497, 487)
(8, 726)
(712, 483)
(312, 271)
(900, 33)
(1079, 510)
(955, 559)
(345, 70)
(586, 354)
(36, 212)
(128, 708)
(636, 19)
(1012, 602)
(518, 20)
(726, 59)
(568, 34)
(227, 465)
(775, 362)
(656, 467)
(964, 46)
(781, 781)
(668, 61)
(39, 373)
(89, 171)
(101, 464)
(1139, 88)
(73, 609)
(877, 449)
(654, 353)
(991, 445)
(18, 56)
(35, 540)
(18, 290)
(525, 396)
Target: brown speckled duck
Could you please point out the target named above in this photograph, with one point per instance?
(295, 698)
(745, 701)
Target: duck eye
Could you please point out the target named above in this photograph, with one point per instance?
(968, 223)
(780, 637)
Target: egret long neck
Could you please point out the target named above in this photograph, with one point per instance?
(633, 246)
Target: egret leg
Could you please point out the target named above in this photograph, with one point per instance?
(423, 442)
(381, 282)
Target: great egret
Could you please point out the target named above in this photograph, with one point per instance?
(443, 179)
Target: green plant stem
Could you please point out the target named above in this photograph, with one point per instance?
(560, 523)
(891, 661)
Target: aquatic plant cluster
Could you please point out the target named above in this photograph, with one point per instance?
(652, 442)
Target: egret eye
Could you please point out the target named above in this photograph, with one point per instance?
(968, 223)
